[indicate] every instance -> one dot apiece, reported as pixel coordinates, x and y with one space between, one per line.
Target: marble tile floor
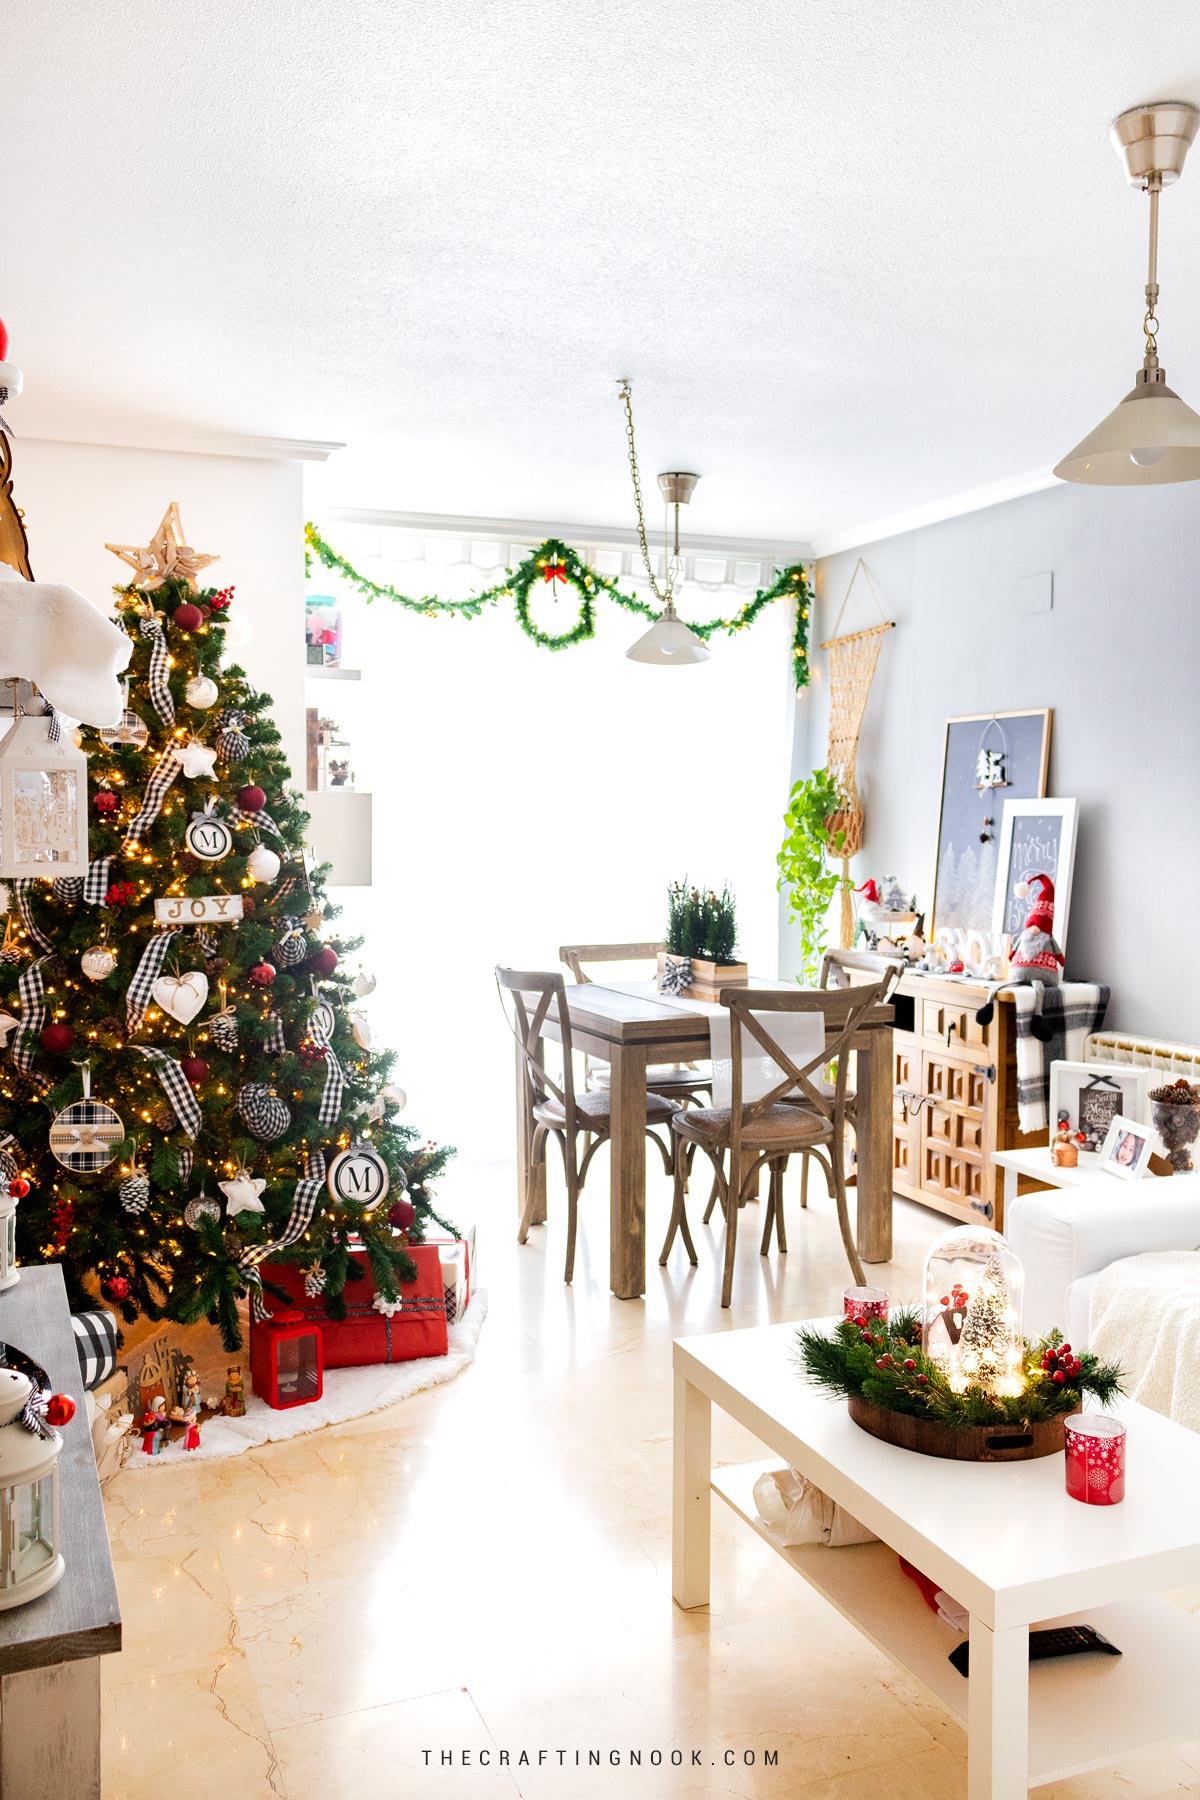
487 1566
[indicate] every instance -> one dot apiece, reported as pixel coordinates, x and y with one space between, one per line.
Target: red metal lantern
286 1361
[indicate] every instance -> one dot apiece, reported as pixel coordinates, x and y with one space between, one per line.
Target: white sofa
1065 1236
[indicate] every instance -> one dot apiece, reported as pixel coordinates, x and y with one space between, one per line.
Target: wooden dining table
626 1026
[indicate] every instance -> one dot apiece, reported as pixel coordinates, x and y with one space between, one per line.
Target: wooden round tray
973 1443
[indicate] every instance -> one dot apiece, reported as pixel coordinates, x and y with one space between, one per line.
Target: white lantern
30 1560
9 1273
974 1285
43 802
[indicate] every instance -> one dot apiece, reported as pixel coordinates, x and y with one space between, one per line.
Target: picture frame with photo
1086 1097
1036 837
1127 1148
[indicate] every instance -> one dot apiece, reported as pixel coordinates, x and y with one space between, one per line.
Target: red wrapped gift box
417 1328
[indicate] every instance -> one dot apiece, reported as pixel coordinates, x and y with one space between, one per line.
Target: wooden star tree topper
166 556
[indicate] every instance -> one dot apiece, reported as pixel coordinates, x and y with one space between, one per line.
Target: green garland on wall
555 565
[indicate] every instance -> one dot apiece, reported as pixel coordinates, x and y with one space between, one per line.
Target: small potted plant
701 939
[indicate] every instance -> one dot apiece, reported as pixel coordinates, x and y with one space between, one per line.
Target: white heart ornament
181 996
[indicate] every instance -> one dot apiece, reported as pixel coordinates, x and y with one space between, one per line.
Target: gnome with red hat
1035 954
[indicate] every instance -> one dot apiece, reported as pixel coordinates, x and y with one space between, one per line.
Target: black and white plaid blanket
1071 1010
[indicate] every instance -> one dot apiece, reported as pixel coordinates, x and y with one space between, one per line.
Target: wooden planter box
974 1443
708 978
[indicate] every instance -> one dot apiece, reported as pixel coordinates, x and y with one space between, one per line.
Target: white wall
249 510
1117 660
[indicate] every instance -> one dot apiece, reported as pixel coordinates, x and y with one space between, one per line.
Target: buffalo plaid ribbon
141 989
164 772
160 692
304 1204
176 1086
1066 1015
23 890
319 1029
54 728
274 1043
91 887
232 743
33 1014
676 976
185 1160
262 821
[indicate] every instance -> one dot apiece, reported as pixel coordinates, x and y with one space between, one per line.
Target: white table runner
799 1035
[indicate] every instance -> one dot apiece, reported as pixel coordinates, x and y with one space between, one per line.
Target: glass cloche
974 1285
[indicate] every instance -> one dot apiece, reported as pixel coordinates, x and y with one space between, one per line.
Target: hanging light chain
626 397
1150 322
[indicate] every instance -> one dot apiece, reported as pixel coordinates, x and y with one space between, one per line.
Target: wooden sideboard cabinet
955 1098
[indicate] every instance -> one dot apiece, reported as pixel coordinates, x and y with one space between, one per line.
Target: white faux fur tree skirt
348 1394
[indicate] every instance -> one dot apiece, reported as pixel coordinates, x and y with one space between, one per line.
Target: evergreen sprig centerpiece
701 940
895 1390
184 1073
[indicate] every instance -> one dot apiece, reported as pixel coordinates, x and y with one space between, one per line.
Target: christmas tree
185 1073
989 1353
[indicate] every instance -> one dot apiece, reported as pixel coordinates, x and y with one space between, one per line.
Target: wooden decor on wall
14 545
852 661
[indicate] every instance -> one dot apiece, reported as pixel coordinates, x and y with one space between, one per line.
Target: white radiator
1169 1060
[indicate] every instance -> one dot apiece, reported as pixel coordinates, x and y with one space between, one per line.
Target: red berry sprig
221 600
121 893
1061 1365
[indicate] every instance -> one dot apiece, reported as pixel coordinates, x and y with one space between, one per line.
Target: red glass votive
1095 1459
862 1304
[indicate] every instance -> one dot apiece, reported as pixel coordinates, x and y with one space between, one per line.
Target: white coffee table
1004 1539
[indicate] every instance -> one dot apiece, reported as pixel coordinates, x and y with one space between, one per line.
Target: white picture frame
1127 1148
1114 1087
1036 837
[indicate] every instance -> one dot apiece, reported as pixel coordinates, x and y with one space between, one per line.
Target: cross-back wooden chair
797 1113
679 1081
532 1000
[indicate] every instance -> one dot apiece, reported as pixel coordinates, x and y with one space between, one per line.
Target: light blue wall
1118 659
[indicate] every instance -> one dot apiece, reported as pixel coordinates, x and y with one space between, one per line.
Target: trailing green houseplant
701 925
804 872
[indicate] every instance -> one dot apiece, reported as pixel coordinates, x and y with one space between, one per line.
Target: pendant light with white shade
1152 437
669 643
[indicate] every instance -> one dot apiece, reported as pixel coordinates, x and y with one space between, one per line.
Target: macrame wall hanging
852 661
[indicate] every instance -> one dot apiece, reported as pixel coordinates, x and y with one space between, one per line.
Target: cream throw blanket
1145 1316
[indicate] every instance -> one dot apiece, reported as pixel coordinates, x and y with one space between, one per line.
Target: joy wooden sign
199 909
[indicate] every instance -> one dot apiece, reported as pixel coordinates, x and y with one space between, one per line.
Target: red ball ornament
18 1187
115 1288
323 961
57 1039
106 801
924 1380
251 799
1059 1377
195 1068
187 617
909 1363
60 1409
402 1214
262 974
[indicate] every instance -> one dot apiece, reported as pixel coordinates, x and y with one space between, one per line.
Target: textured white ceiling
857 255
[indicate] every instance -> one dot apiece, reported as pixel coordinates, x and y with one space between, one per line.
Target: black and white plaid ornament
265 1114
134 1191
233 746
85 1135
291 946
314 1281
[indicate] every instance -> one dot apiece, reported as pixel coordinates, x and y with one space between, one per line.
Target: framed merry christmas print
988 758
1037 837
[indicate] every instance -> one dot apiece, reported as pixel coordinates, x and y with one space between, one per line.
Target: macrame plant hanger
852 661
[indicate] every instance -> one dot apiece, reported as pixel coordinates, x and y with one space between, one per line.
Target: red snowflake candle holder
1095 1459
286 1360
863 1304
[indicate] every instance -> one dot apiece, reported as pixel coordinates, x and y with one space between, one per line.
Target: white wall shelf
316 672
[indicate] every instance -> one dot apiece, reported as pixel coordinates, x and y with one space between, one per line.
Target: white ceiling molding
601 537
954 506
183 442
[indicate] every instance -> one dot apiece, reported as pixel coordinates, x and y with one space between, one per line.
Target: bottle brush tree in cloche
184 1073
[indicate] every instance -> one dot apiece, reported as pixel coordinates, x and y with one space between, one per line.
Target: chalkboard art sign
989 758
1037 837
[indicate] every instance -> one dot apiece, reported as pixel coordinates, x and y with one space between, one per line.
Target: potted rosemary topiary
701 940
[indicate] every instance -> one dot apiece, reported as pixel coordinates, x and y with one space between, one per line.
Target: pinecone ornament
134 1192
163 1119
223 1030
314 1281
216 965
